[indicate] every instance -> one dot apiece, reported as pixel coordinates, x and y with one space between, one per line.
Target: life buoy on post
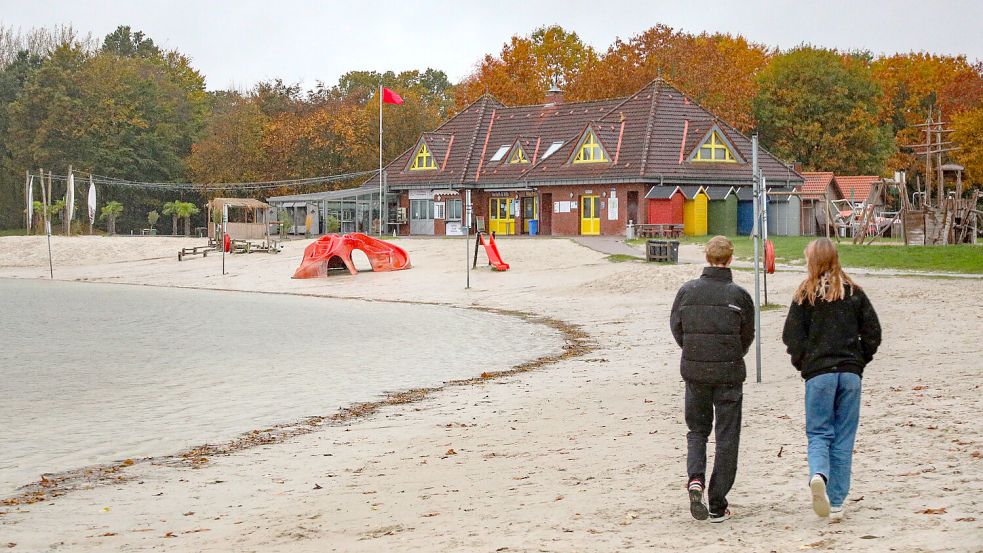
227 243
769 257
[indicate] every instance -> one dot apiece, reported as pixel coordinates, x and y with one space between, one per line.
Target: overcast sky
237 43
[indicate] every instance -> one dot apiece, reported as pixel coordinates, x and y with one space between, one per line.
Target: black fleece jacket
712 319
832 336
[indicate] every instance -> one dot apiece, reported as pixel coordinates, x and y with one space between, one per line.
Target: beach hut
665 205
695 211
248 218
745 211
722 210
784 213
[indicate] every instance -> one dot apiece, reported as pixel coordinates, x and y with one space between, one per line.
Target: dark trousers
703 401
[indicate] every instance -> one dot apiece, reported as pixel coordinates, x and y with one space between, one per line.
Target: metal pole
45 196
381 232
764 229
467 237
225 222
755 179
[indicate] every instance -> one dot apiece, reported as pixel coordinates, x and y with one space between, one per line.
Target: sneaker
836 514
820 501
696 506
720 517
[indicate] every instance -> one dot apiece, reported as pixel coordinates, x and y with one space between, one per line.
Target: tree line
124 107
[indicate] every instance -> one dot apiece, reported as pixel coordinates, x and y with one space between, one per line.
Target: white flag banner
70 199
92 202
30 202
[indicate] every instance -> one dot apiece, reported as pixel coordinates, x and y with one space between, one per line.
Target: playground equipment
491 249
334 251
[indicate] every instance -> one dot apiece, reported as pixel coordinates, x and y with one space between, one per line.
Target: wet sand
586 454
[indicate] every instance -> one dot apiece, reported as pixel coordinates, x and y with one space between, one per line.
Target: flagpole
381 193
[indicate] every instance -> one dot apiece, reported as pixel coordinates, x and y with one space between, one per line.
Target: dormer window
518 156
714 148
590 150
423 160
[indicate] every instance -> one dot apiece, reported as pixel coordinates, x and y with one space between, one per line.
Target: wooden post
938 161
928 160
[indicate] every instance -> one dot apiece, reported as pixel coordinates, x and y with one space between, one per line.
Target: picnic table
658 231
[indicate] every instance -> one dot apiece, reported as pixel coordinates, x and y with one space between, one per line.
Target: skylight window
552 149
501 153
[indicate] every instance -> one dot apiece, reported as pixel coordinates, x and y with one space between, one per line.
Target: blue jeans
832 416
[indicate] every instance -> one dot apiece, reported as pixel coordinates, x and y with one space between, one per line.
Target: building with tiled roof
819 188
569 168
856 188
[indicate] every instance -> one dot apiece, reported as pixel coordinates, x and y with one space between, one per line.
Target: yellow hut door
590 215
501 219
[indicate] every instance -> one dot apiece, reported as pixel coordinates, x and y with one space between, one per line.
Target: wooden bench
197 250
247 246
658 231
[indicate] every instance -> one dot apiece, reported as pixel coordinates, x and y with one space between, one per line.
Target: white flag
70 199
30 202
92 202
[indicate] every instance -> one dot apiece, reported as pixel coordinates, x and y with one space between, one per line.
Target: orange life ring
769 257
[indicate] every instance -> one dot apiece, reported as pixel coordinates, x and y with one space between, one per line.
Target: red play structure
334 251
494 258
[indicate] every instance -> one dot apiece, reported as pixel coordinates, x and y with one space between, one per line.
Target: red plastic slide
334 251
492 250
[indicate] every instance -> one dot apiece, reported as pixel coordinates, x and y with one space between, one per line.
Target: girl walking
832 333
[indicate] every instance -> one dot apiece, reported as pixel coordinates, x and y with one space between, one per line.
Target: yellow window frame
714 149
423 160
591 151
518 156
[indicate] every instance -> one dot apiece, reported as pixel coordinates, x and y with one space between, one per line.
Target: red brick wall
564 224
568 224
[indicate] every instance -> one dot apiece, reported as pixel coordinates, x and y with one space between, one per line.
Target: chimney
554 96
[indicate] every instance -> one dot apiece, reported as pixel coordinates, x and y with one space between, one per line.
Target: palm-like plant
170 208
110 212
185 210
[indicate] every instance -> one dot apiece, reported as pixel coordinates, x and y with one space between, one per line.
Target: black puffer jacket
832 336
712 319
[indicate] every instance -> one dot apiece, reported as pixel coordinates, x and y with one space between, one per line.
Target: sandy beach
583 454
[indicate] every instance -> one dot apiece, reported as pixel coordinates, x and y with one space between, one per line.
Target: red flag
390 97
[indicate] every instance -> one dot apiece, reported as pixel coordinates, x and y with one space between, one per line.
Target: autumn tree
968 126
527 67
820 107
718 71
916 83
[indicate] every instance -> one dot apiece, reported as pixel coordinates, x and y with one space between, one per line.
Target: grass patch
621 258
883 254
13 232
773 307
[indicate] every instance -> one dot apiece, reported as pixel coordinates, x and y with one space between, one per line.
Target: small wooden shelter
784 213
722 211
665 205
695 210
248 218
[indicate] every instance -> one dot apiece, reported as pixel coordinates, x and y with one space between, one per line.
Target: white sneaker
836 514
820 501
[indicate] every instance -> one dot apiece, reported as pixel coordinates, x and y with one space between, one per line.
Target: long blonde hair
826 279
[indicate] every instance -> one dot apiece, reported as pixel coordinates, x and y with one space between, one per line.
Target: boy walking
712 319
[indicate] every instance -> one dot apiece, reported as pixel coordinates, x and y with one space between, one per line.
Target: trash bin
665 251
533 227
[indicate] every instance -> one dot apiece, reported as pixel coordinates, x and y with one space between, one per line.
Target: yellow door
590 215
500 216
